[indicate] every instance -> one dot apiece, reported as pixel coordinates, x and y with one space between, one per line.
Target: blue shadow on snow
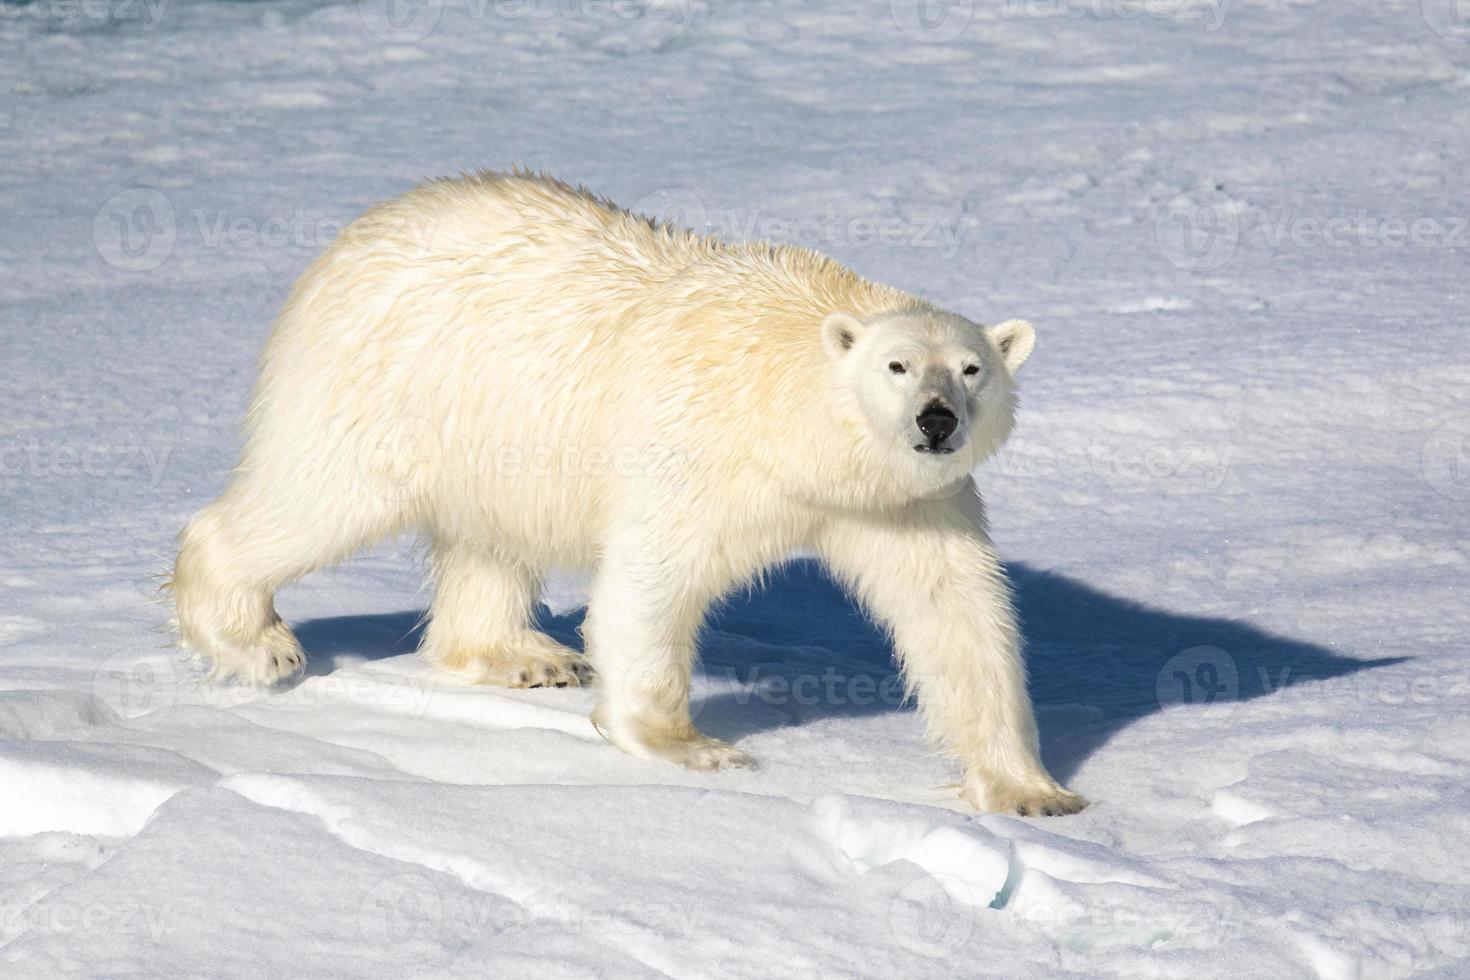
797 650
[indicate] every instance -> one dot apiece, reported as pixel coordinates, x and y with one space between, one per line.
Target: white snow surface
1235 506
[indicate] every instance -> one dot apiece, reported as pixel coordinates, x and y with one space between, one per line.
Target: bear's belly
534 509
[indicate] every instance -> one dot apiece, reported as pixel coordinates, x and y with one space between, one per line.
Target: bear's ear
839 332
1015 340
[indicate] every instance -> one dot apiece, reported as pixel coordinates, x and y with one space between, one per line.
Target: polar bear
532 377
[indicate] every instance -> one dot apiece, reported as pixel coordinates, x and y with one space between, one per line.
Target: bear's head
935 392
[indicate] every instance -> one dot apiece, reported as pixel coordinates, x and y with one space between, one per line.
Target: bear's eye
896 367
972 369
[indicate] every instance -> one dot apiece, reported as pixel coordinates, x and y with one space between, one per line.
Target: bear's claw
1022 799
547 665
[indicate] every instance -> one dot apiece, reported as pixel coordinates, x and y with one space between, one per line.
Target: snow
1235 505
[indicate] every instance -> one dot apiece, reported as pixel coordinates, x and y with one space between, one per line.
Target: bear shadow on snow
797 650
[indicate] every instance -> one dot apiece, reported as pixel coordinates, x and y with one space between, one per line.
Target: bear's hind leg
480 623
238 551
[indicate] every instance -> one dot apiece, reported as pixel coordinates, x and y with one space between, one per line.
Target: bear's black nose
937 423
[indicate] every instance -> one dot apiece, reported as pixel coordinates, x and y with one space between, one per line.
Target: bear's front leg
931 574
648 601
